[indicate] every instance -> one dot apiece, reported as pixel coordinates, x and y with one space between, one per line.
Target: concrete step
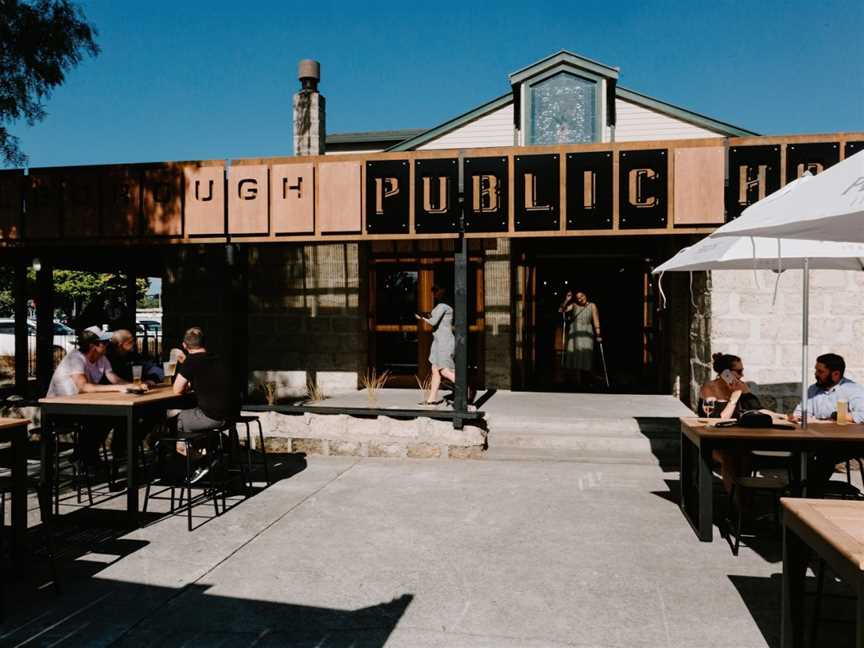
572 456
603 440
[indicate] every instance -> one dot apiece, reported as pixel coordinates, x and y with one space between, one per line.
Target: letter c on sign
247 189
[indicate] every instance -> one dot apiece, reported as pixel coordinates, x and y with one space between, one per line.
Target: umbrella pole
805 340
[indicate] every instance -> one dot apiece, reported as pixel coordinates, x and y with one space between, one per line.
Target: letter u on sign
204 209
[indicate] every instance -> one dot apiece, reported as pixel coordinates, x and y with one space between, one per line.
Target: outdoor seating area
566 365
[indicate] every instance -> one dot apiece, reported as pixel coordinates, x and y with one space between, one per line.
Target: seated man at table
81 372
122 355
831 386
207 374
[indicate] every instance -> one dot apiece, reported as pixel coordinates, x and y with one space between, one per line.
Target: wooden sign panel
643 188
589 190
387 197
247 200
42 218
161 200
292 198
851 148
11 203
339 206
698 194
754 172
686 186
436 195
815 158
538 193
204 204
486 194
81 202
121 201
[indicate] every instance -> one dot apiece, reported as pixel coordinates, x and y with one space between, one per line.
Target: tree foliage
73 290
40 42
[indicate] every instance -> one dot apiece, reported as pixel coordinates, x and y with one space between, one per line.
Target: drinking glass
136 374
708 405
169 368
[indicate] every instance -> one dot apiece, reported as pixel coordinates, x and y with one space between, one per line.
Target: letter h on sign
754 172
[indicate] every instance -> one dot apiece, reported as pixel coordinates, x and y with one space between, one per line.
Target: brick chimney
309 127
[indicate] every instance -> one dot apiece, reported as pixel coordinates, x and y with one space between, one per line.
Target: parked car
64 338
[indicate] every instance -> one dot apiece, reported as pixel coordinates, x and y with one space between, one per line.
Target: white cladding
494 129
637 123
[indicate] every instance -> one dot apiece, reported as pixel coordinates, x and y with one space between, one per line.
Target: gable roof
374 136
562 58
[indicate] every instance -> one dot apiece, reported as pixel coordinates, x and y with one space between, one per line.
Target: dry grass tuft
425 386
372 382
269 392
314 393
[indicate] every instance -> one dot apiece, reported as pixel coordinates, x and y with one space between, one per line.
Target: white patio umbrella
750 253
825 207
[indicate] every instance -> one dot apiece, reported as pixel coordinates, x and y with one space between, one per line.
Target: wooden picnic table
129 407
698 441
834 529
14 431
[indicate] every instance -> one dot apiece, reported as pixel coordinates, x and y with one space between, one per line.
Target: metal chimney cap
309 69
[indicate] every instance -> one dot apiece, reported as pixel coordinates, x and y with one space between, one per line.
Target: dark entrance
400 285
616 275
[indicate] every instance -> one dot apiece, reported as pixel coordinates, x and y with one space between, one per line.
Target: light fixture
37 264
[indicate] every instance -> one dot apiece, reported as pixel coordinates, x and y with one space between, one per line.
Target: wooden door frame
424 263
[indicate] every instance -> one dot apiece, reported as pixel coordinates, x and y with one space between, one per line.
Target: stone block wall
497 297
342 435
306 317
768 336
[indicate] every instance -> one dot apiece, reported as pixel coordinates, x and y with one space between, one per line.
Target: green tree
40 42
73 289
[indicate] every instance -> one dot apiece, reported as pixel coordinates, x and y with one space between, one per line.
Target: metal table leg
131 467
795 556
706 494
19 492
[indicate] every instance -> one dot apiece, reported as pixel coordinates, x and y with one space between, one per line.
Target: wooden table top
840 523
7 423
829 431
158 393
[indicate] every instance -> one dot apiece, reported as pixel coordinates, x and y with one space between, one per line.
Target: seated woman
729 390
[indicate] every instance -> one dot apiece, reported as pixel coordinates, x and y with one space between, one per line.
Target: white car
64 337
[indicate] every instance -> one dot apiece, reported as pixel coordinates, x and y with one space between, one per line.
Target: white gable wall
636 123
494 129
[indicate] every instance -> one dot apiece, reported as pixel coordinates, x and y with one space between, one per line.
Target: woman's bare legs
434 384
449 374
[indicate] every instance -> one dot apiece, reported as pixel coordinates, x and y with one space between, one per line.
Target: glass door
399 289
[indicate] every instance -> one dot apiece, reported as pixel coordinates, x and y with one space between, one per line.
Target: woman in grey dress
443 344
581 329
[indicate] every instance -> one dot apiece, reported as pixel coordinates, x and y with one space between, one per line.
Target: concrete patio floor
367 553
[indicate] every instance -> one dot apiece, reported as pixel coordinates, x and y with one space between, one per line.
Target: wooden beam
22 351
44 326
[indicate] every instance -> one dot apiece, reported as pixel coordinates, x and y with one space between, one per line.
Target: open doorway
616 276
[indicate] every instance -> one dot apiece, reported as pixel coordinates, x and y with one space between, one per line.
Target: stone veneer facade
744 322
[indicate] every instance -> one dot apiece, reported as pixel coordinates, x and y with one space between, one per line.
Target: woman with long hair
443 344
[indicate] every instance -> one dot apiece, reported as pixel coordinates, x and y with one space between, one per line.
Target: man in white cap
80 372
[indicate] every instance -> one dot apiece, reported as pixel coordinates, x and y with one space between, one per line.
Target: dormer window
563 109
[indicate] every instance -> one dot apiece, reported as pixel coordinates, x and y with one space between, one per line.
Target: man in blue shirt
822 398
831 387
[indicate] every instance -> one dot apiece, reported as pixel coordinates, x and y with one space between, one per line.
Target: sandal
437 402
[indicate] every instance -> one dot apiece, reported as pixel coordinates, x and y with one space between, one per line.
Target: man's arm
856 404
114 379
85 387
180 384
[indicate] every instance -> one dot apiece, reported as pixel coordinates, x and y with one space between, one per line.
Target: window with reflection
563 110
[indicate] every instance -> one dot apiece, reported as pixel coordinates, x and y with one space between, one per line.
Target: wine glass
708 405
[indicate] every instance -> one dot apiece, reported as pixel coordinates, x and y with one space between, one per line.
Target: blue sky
200 80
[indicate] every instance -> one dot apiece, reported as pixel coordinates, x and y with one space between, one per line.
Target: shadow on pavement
763 596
